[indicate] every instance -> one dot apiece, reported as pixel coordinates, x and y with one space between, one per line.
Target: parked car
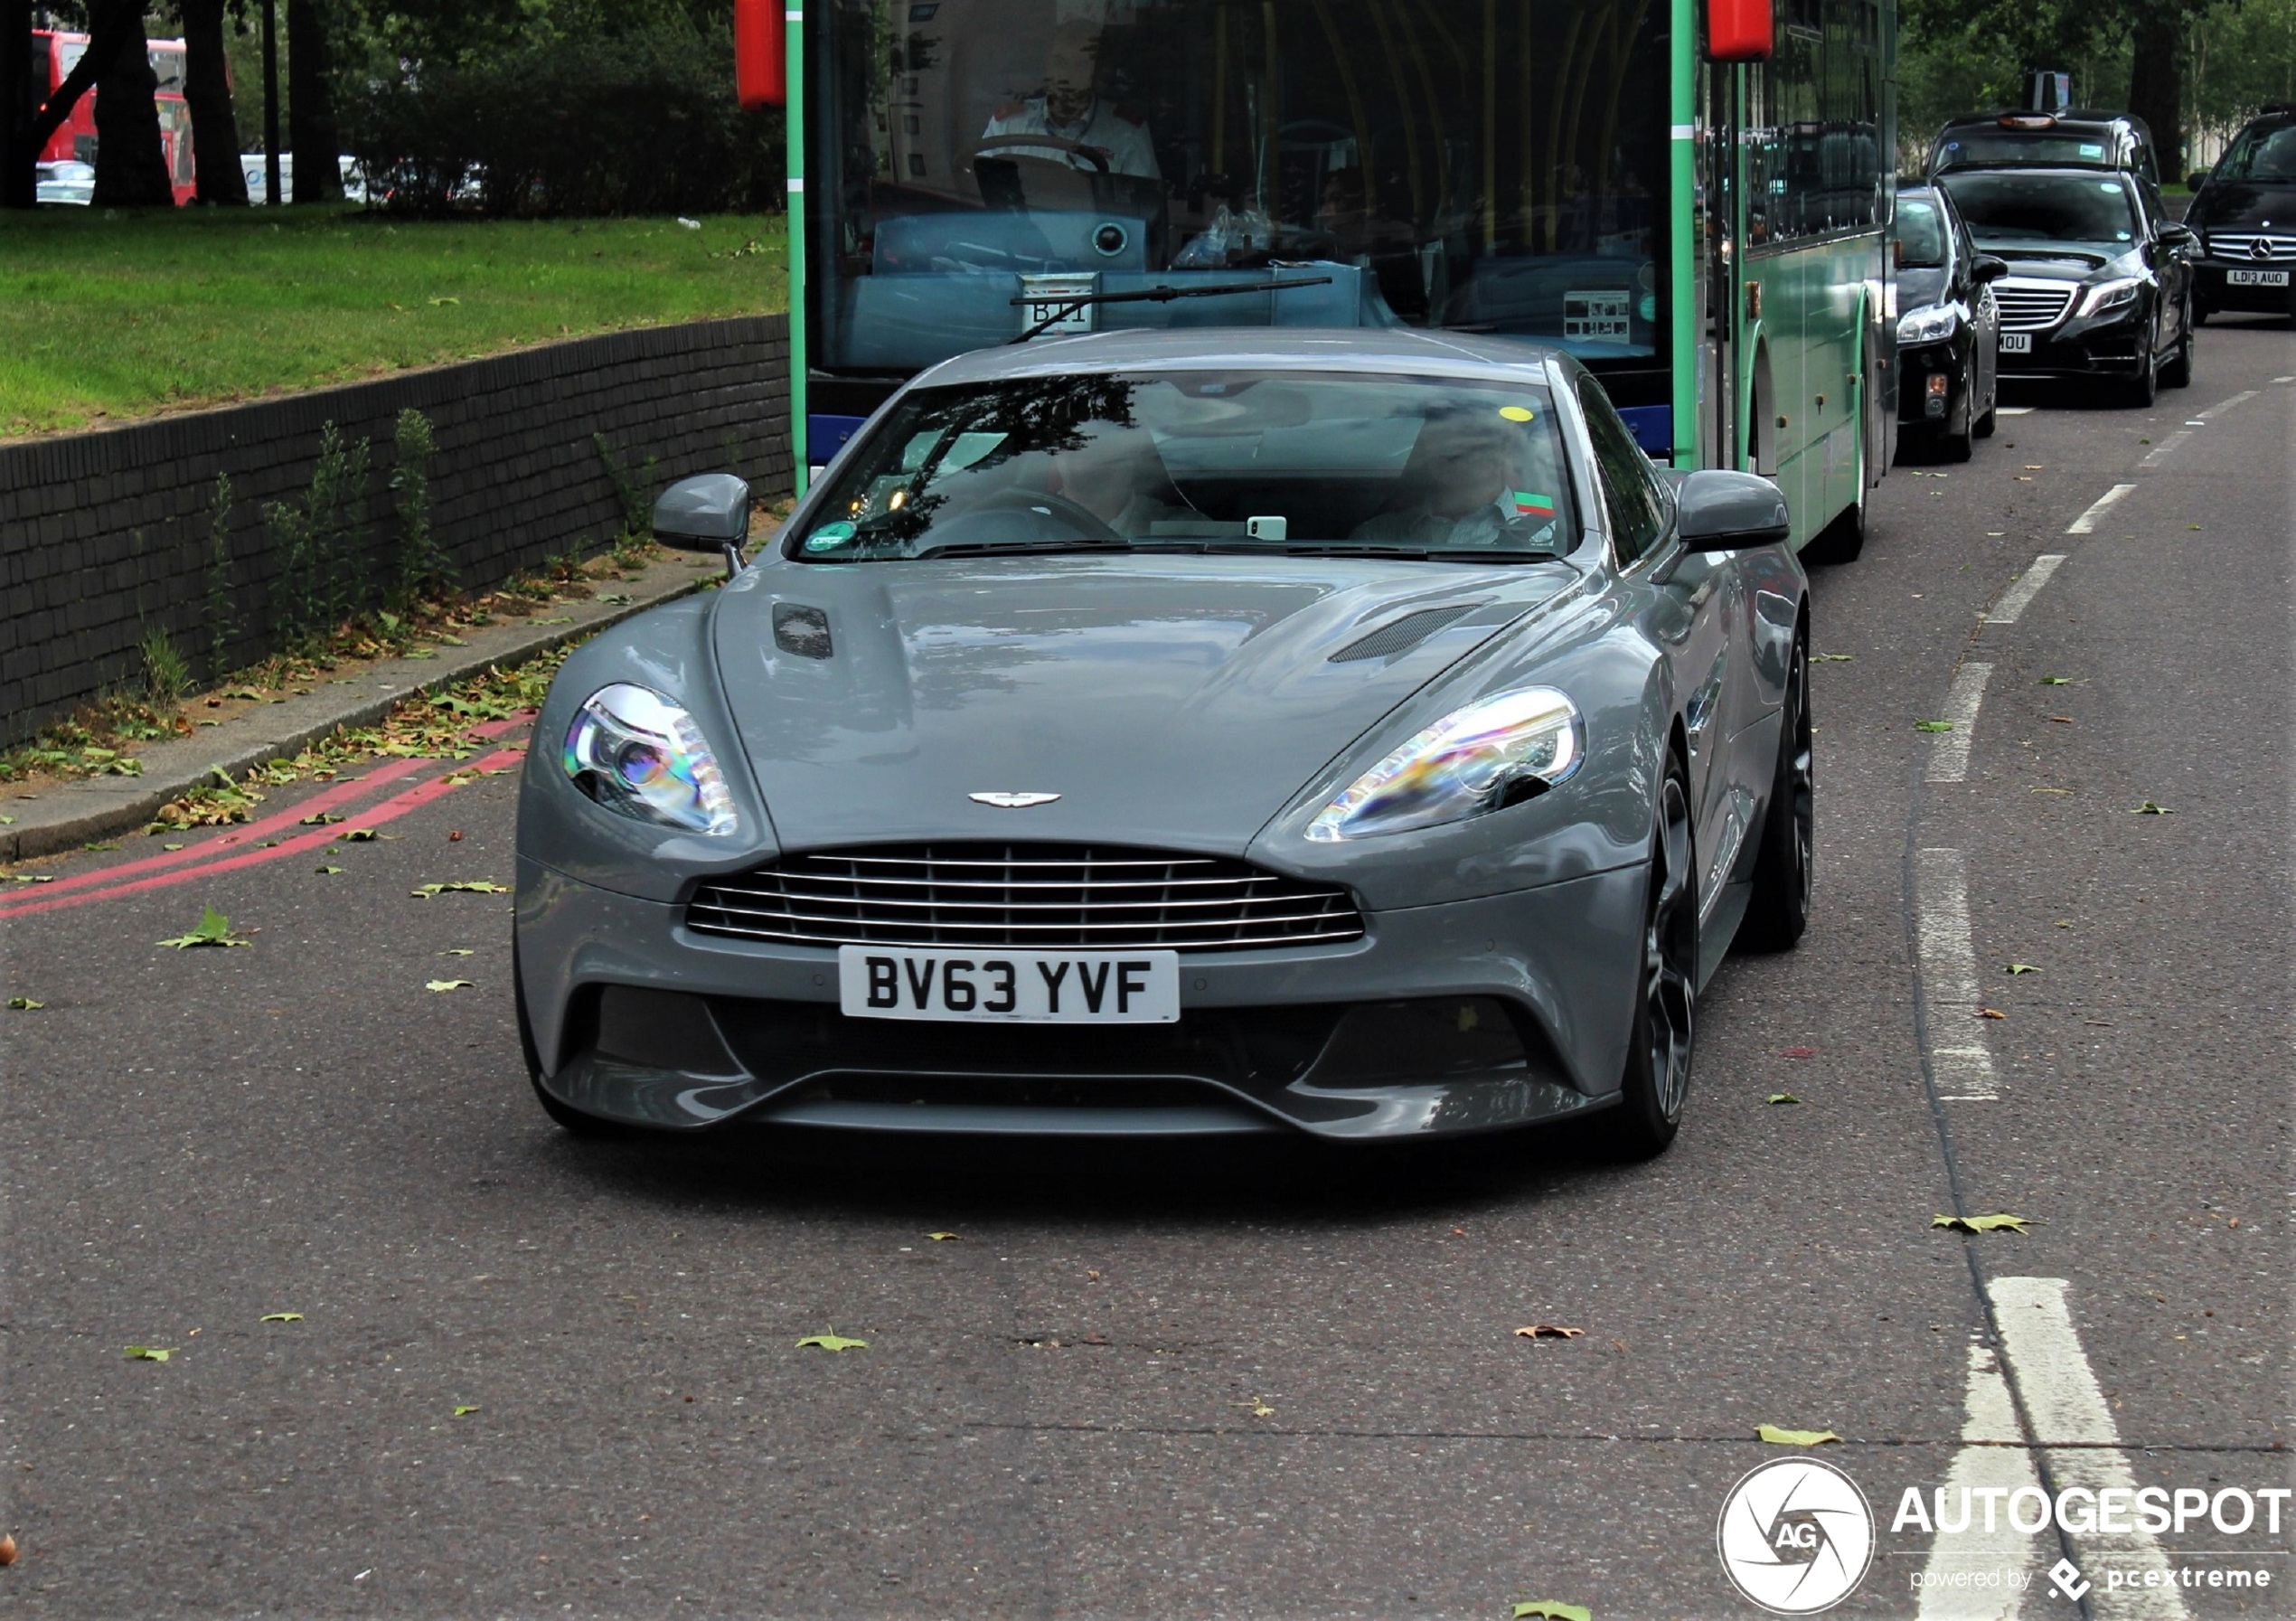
2100 278
2244 212
1180 732
1949 330
2068 140
66 182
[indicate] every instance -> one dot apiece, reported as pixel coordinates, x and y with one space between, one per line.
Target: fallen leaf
1794 1437
1932 726
170 846
435 304
451 984
833 1340
1783 1098
7 1549
1798 1052
2067 792
2149 809
2062 719
477 885
324 819
1547 1331
25 1005
323 872
1980 1223
940 1238
455 836
1995 534
1833 658
150 1354
214 930
2023 968
280 1318
458 951
357 836
1550 1610
33 877
466 1410
1988 1013
2036 466
1259 1409
2057 681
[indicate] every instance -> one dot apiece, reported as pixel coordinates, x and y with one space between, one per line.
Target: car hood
1171 701
2240 203
1920 287
2067 261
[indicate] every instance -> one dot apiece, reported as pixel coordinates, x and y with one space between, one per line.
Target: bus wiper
1163 295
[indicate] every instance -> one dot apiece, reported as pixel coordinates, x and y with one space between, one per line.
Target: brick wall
104 537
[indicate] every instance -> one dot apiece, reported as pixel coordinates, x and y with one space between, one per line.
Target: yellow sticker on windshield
1517 413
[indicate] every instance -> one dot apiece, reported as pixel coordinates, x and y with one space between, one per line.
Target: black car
2100 278
1948 326
2244 212
2073 140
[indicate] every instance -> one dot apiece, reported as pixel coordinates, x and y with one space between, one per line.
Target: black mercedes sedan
2100 278
2244 212
1948 328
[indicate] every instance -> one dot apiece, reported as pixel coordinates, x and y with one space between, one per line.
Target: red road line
388 810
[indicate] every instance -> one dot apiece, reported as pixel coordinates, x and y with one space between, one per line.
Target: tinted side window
1638 505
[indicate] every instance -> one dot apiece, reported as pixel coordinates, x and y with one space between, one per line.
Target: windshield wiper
996 548
1385 553
1160 295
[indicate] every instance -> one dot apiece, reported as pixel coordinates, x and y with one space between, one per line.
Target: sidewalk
69 815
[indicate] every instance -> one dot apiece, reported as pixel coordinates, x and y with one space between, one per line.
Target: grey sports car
1180 732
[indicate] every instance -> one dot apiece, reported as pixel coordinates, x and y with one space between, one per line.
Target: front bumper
1465 1017
1922 404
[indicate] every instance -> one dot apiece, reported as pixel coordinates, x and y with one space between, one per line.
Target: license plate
2256 279
2017 343
1047 296
1010 988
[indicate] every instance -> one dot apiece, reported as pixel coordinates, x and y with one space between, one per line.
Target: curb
71 813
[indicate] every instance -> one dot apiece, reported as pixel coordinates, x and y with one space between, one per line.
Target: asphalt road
534 1375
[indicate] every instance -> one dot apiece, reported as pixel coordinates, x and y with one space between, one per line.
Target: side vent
801 630
1400 635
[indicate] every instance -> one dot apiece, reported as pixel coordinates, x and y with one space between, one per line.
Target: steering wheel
1016 146
1082 519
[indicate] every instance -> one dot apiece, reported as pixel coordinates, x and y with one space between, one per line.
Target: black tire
1657 1077
2177 372
1982 429
1785 866
2144 388
1843 540
567 1118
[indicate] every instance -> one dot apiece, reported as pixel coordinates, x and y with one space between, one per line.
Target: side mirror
1987 267
1717 510
2176 236
2196 180
707 512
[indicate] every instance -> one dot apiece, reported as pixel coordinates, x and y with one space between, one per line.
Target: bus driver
1069 109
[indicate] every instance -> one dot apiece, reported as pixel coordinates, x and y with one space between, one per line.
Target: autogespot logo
1796 1536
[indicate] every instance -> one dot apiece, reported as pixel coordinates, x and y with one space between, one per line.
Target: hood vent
801 630
1400 635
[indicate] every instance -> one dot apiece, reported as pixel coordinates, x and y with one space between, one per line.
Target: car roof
1400 350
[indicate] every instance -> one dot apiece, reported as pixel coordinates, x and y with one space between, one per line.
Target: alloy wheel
1670 953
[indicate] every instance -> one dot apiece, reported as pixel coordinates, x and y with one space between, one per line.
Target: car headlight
1492 753
2111 294
1927 325
635 753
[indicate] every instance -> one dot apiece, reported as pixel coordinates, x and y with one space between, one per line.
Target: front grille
2027 305
1045 897
2241 247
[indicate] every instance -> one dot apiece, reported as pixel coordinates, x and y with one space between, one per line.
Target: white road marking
1949 751
1995 1459
2023 410
2160 452
2073 1428
1963 1071
2223 406
2020 595
2284 379
2088 520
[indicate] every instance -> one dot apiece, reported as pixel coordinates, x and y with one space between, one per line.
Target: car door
1984 323
2172 266
1689 616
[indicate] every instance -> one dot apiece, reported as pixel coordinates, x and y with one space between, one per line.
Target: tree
207 89
131 161
310 97
19 182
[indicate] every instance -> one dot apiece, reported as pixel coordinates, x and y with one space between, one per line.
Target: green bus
1710 236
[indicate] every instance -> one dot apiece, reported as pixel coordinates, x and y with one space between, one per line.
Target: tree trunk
2156 83
310 97
110 27
131 161
215 129
19 179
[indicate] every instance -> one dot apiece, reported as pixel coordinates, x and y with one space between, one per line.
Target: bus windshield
1446 164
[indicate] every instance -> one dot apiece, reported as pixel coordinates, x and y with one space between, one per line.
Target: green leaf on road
324 819
466 1409
2149 809
1550 1610
451 984
1980 1223
280 1318
33 877
940 1238
1783 1098
833 1340
2023 968
458 951
2057 681
357 836
150 1354
1794 1437
25 1005
477 886
323 872
214 930
1932 726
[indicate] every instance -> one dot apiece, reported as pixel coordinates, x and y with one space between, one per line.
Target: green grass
105 316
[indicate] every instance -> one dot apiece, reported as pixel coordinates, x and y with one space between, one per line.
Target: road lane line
2223 406
2027 585
1993 1457
1949 751
2073 1428
1962 1071
318 838
2087 521
2162 452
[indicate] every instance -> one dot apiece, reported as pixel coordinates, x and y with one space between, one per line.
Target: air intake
1399 635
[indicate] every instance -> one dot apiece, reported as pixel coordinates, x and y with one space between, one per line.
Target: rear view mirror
2196 180
1985 267
1717 510
2175 236
704 513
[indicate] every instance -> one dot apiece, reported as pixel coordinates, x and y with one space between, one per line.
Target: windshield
1203 461
2262 155
2016 211
1978 147
1448 163
1921 235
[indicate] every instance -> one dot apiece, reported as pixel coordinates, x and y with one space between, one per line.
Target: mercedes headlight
1927 325
1492 753
635 753
2111 294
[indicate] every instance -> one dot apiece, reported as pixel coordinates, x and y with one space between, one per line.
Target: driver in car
1070 109
1474 480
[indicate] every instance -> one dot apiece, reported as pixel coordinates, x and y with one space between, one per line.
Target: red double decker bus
55 54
